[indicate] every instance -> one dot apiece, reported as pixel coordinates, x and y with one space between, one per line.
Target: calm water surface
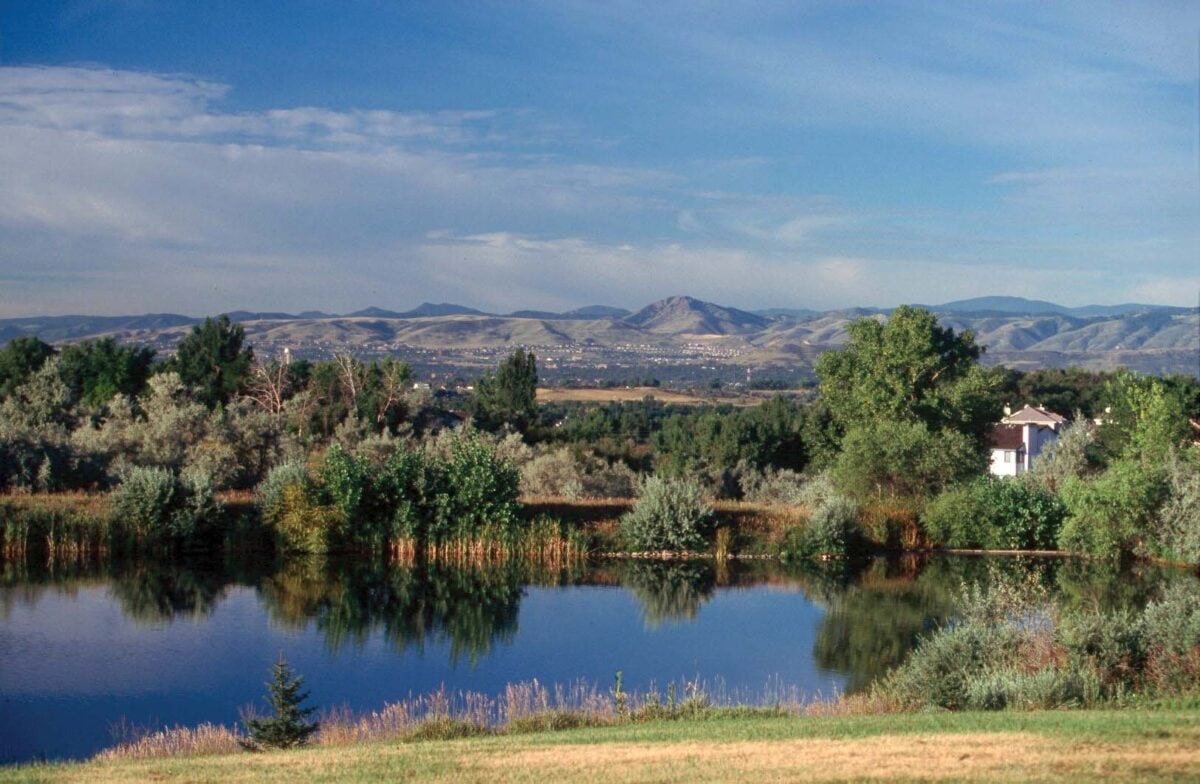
152 644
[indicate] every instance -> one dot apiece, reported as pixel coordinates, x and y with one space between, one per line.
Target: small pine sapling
289 726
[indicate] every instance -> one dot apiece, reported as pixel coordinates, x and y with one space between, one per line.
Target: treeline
891 450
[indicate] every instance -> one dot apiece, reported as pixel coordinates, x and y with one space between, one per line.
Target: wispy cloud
817 154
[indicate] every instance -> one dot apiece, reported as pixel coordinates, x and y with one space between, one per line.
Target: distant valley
675 339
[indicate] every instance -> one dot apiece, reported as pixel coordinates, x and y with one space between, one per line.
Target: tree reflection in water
157 592
471 608
874 612
669 590
875 621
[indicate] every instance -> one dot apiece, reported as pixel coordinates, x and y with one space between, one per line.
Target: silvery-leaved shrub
159 506
269 493
1176 536
670 514
555 473
832 527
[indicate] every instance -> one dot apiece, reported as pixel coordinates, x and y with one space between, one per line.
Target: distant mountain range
1035 307
1018 332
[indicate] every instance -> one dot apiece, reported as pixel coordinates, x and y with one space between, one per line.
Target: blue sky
200 157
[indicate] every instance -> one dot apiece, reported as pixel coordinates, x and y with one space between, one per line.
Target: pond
86 650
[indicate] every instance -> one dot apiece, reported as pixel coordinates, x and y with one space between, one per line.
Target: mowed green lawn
1117 745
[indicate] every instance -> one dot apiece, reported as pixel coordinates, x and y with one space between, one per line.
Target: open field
1052 746
625 394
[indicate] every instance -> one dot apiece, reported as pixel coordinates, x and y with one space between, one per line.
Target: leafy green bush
670 514
427 497
1114 513
991 513
346 481
895 459
480 492
402 492
159 506
951 519
303 525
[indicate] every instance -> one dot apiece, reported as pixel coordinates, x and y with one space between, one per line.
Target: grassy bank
1118 745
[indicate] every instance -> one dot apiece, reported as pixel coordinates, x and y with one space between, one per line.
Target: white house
1021 437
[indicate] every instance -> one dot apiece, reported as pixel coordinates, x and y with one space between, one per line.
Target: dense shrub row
992 513
411 495
891 453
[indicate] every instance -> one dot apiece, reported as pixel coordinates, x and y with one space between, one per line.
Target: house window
1007 456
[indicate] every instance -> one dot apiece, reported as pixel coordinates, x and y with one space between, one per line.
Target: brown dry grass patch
624 394
73 502
970 756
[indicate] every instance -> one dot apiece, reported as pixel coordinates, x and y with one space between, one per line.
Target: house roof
1006 437
1030 415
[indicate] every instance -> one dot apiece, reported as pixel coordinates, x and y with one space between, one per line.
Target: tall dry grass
174 742
72 526
522 707
543 542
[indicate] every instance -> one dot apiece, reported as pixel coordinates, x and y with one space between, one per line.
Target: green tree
508 396
212 360
19 360
1057 389
288 726
896 459
1146 418
381 403
95 370
1114 513
910 370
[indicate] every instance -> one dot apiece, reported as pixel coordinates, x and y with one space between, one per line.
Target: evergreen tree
509 396
212 361
19 360
289 726
95 370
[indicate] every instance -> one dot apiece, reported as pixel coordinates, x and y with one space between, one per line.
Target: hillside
676 330
688 316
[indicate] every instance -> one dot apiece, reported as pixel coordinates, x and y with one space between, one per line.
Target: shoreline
755 528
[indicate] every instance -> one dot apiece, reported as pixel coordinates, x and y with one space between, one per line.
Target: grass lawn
1116 745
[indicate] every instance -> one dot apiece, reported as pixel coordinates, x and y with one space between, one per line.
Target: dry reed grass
174 742
522 707
72 526
72 502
